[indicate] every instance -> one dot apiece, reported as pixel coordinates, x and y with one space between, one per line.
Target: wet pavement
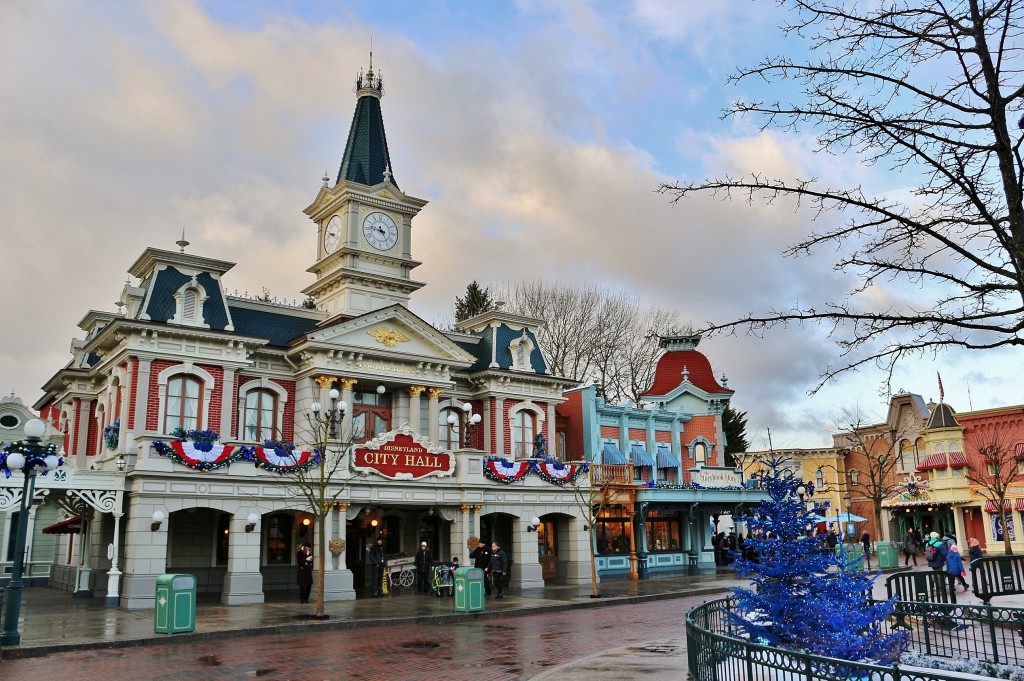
557 633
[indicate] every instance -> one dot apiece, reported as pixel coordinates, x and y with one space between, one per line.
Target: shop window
524 429
279 539
223 536
663 532
260 416
182 409
612 536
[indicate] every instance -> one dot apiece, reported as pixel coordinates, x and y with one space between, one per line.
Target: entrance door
356 554
547 549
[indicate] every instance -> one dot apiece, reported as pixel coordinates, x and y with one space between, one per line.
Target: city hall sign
403 455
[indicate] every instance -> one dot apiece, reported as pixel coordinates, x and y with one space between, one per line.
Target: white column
113 596
526 570
337 580
414 407
243 582
433 412
145 553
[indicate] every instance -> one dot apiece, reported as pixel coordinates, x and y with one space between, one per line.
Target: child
955 566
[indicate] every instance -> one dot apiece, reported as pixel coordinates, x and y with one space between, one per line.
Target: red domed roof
669 374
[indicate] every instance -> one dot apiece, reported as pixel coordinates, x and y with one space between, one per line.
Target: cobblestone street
511 648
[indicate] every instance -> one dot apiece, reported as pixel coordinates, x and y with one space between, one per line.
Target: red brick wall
572 411
91 447
211 413
610 432
134 370
663 436
638 435
288 423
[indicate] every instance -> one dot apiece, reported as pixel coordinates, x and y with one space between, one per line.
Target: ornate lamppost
30 456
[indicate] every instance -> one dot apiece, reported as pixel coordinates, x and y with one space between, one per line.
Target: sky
538 131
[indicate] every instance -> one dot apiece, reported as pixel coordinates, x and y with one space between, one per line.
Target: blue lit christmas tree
803 596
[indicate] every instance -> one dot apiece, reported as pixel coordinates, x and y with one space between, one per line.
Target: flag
942 393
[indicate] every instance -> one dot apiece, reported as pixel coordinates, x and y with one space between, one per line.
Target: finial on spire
369 84
325 179
182 242
686 373
387 173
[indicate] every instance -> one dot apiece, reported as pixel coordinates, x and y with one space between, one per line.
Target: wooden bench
997 576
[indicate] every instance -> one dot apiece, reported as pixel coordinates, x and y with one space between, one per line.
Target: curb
21 652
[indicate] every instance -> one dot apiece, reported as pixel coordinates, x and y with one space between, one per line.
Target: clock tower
364 222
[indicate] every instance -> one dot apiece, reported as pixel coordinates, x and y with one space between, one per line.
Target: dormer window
521 349
188 309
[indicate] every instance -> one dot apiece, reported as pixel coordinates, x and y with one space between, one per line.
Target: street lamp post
28 456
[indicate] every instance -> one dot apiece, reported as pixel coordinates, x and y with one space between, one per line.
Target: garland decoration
280 457
31 456
503 470
198 450
112 433
558 473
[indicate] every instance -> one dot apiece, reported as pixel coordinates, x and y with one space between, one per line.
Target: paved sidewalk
52 621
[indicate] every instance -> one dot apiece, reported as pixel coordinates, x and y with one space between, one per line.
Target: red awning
69 526
933 461
1020 450
1018 505
957 459
991 508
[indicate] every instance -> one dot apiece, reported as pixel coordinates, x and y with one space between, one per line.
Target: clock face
332 234
380 231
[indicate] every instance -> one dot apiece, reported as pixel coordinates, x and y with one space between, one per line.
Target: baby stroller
442 582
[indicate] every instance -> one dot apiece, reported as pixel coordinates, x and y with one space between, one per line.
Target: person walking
377 561
935 552
865 541
911 545
974 552
955 566
481 557
497 568
304 578
424 562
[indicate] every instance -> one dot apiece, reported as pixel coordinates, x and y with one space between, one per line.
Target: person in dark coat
911 544
955 566
974 553
497 568
423 562
938 561
481 557
304 578
377 561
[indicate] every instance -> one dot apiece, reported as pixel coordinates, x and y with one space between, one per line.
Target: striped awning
943 460
1019 449
610 454
640 456
1018 505
68 526
991 508
666 459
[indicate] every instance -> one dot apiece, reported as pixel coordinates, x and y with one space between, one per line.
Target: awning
1020 450
68 526
1018 505
665 458
991 508
640 456
957 459
942 460
847 517
610 454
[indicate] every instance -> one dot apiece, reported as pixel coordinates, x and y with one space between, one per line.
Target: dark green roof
168 281
366 152
280 329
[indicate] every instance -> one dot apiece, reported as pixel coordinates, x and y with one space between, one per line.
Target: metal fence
717 653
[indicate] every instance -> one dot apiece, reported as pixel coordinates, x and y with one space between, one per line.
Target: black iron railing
717 652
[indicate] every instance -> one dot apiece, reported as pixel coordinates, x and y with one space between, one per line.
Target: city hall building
427 409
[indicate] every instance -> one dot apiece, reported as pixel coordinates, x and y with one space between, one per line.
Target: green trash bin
175 611
887 555
854 555
469 589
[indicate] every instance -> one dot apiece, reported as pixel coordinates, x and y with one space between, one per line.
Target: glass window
700 453
279 539
183 403
523 431
662 532
638 473
371 415
546 539
450 435
612 536
662 474
260 416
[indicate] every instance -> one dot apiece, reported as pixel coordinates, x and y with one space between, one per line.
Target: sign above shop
403 455
710 476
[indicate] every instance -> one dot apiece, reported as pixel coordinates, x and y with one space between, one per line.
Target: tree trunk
321 562
1006 528
593 564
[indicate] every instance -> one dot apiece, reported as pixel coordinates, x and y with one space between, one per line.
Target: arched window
189 304
524 429
448 434
261 415
700 453
819 479
183 403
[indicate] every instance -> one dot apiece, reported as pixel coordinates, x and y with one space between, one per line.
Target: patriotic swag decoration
281 457
503 470
549 470
199 456
558 473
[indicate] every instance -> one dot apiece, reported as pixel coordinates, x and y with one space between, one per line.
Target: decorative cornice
415 390
324 382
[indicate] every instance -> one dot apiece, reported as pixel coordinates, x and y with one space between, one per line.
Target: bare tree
595 334
591 495
993 466
873 451
931 91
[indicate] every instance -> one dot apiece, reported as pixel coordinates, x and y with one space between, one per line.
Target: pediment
392 331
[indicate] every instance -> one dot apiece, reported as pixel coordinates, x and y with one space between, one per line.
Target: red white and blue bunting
549 470
281 459
199 456
558 473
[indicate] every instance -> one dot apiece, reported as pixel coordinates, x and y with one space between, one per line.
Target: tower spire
366 159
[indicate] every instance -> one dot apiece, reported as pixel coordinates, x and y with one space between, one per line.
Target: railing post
992 634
